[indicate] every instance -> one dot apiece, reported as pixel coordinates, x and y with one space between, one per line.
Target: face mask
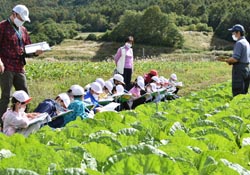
18 23
95 97
128 45
234 38
21 109
149 89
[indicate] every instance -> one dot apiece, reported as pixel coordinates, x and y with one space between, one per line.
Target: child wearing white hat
93 95
174 84
16 120
54 107
77 105
138 86
107 90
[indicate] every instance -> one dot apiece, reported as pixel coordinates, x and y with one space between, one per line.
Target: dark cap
237 28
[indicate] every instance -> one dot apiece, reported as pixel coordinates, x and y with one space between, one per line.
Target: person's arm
1 66
231 60
118 55
1 38
27 41
132 60
20 122
235 57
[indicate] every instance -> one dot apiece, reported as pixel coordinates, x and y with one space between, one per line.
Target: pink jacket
129 58
136 92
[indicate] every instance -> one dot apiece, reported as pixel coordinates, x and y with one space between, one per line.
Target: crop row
206 132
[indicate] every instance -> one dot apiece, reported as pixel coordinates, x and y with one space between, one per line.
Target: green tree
150 27
129 25
52 32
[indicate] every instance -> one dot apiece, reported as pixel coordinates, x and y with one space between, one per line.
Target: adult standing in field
124 60
13 38
240 61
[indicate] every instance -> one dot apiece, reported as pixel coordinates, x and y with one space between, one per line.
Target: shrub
92 37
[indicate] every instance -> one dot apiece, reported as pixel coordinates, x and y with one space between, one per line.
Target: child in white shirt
15 120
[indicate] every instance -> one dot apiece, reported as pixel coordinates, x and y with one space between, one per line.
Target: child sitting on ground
77 105
53 108
15 120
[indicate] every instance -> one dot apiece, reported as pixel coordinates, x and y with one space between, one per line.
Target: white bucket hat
23 11
156 79
96 87
141 84
100 81
140 78
22 96
173 77
109 86
119 78
65 98
77 90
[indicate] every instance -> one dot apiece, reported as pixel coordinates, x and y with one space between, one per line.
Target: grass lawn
48 78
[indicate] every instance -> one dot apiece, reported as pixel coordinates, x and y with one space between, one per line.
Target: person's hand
38 52
1 66
221 58
32 115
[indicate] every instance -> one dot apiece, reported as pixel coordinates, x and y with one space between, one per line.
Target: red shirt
10 49
147 78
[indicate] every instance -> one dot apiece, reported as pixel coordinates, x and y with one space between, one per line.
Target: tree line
152 21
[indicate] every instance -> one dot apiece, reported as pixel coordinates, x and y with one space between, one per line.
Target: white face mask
234 38
149 89
128 45
21 109
96 97
18 22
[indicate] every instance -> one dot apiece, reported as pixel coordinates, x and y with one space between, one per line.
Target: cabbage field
206 132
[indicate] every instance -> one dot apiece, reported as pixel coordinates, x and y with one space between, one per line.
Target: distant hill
103 15
197 46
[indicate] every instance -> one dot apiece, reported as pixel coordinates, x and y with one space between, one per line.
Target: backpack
49 106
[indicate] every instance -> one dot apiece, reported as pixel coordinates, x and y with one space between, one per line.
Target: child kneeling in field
15 120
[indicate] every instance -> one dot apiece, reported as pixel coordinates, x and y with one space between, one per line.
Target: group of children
85 102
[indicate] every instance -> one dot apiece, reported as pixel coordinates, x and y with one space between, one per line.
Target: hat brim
25 18
27 101
120 82
99 92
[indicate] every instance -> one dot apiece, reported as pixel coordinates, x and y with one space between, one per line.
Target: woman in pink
124 59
